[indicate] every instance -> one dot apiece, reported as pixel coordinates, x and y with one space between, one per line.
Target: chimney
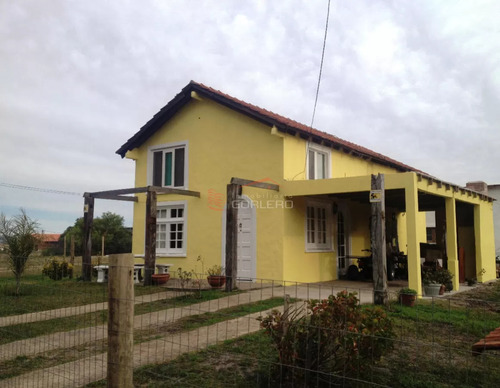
479 186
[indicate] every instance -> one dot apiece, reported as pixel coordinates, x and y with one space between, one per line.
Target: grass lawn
39 293
24 364
31 330
432 349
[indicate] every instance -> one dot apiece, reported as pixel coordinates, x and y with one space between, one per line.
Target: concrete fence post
120 321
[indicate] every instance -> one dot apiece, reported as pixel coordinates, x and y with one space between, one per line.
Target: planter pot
442 289
408 299
216 281
160 278
432 289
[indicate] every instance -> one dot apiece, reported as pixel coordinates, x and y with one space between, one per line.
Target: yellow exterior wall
294 158
299 265
343 165
221 144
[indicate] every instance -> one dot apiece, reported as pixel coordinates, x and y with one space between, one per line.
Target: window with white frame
169 165
171 230
318 226
318 162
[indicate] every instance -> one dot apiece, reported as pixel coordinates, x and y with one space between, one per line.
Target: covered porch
464 221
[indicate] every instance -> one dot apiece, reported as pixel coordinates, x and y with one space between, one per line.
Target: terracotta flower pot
408 299
216 281
160 278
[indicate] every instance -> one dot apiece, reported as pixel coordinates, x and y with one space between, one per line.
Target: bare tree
20 235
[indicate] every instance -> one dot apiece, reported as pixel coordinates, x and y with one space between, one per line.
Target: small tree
19 232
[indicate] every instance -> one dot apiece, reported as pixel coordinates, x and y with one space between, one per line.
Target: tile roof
282 123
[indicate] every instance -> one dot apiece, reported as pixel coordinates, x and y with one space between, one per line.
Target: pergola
124 195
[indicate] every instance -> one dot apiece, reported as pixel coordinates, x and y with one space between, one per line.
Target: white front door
245 241
246 244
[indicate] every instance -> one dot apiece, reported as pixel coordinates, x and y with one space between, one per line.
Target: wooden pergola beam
135 190
257 184
117 198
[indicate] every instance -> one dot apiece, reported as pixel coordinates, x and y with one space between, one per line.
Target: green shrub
56 269
407 291
335 336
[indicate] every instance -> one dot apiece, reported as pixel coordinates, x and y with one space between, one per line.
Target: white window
318 162
318 226
171 230
167 165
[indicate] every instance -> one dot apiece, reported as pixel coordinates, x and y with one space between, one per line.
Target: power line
321 64
39 189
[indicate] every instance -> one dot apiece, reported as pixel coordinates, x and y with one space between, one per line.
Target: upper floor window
168 165
318 162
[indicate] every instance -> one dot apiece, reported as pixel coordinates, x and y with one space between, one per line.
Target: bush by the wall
56 269
334 337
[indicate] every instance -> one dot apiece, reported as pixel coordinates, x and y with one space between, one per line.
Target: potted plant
407 296
430 281
444 277
216 277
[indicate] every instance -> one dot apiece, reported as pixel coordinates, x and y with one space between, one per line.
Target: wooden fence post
88 220
377 199
72 249
150 248
120 321
64 249
233 190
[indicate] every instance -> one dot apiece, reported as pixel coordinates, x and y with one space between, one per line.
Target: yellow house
311 228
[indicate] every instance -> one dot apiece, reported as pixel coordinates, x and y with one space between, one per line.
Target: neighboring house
307 231
47 241
494 192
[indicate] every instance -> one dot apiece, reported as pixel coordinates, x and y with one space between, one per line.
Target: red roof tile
283 124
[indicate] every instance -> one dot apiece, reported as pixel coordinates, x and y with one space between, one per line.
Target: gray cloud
417 81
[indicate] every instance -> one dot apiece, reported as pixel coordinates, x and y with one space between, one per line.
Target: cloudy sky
418 81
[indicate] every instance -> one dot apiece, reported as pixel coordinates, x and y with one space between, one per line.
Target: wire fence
187 334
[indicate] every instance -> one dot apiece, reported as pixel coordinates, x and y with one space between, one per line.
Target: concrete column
411 200
120 321
451 240
485 242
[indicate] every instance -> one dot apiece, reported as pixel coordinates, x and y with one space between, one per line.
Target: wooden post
88 220
233 190
377 199
72 249
150 248
102 246
120 321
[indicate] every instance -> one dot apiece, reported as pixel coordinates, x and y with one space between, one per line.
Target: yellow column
411 200
451 240
485 242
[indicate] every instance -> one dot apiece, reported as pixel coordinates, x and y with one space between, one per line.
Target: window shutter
157 168
179 167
